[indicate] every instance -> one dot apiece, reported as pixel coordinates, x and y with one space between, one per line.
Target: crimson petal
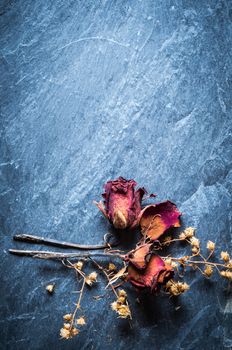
156 274
157 218
122 203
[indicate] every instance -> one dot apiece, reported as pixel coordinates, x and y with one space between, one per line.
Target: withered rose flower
157 218
152 274
140 256
122 203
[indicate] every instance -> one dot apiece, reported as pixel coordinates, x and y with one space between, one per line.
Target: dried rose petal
122 203
157 218
153 276
140 256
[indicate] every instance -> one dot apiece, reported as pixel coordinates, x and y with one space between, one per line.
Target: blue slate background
91 90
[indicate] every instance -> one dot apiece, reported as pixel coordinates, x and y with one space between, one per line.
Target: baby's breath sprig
186 235
136 269
176 288
69 328
121 306
196 259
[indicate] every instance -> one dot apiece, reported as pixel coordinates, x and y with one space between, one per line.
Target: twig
210 254
173 240
198 262
55 243
202 272
40 254
78 303
74 267
105 273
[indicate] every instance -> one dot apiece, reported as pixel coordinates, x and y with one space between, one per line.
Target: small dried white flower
208 271
176 288
50 288
67 317
79 265
226 274
187 233
91 278
81 321
225 256
210 246
112 267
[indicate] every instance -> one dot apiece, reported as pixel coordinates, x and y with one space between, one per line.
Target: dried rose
122 203
157 218
140 256
156 274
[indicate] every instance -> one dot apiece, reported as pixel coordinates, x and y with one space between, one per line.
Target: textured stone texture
91 90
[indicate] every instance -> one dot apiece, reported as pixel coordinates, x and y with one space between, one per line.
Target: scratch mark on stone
21 79
93 38
147 39
228 307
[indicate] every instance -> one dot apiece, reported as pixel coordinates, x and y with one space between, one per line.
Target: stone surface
91 90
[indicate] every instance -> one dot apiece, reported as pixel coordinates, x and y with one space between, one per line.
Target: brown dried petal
140 256
157 218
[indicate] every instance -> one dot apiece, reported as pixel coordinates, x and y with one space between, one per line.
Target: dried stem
40 254
55 243
72 266
173 240
180 260
78 304
106 274
210 254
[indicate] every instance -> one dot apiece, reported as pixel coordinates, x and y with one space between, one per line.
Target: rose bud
155 274
122 203
156 219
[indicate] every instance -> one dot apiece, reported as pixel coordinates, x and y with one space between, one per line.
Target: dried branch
55 243
40 254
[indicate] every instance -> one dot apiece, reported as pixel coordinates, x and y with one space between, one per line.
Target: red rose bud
157 218
122 203
156 274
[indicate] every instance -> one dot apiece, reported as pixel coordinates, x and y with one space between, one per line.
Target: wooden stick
55 243
40 254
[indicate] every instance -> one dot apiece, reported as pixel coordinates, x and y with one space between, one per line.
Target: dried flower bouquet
143 267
